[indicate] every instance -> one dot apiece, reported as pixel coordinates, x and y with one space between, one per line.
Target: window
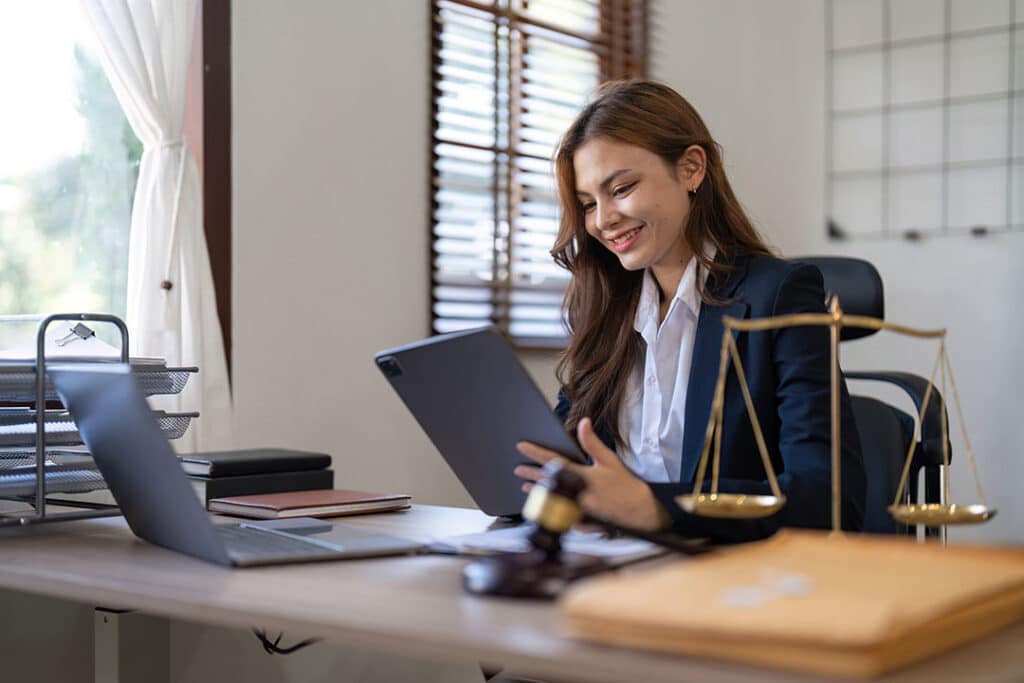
69 164
68 167
508 78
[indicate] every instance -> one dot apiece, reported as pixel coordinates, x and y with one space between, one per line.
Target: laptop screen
135 458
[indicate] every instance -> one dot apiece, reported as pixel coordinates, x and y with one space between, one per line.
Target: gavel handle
686 546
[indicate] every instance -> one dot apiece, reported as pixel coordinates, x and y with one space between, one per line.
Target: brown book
319 503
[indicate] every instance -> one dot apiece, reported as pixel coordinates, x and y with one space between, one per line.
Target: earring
692 192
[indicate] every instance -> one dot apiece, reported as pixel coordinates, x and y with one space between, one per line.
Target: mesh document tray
59 479
18 427
18 379
66 471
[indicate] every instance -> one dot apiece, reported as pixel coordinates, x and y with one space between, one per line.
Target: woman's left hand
613 493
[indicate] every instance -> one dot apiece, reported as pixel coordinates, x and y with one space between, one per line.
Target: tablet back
474 400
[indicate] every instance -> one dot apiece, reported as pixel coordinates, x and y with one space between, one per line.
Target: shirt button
651 381
649 443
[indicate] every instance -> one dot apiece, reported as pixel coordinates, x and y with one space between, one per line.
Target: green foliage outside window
64 226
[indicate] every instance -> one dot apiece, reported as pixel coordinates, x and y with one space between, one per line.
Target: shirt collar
686 292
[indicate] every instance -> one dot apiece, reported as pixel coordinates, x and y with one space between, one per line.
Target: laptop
474 400
156 499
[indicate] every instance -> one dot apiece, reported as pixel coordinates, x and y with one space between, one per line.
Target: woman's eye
588 207
622 190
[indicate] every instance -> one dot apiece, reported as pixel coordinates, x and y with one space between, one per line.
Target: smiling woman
659 250
638 158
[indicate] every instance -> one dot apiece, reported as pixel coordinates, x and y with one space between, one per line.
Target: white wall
755 71
331 224
331 125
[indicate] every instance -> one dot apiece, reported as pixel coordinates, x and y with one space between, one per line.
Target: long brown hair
602 297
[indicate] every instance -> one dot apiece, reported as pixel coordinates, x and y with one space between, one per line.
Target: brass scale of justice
744 506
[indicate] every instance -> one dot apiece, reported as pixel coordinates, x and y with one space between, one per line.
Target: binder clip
79 331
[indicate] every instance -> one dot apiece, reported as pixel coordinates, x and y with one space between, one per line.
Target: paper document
63 345
51 427
22 482
514 540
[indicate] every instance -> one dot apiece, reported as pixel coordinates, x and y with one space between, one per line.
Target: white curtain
144 48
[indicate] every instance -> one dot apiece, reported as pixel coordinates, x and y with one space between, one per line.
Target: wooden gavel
542 571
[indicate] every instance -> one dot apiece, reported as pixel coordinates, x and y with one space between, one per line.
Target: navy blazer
787 371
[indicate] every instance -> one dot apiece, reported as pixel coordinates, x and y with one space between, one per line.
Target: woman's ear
692 166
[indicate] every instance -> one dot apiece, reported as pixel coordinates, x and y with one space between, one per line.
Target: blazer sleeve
801 361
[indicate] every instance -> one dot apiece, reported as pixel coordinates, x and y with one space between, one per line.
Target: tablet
474 400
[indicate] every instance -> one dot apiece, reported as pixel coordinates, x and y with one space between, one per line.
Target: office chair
885 431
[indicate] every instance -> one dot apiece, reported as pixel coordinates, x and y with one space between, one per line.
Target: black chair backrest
858 285
885 431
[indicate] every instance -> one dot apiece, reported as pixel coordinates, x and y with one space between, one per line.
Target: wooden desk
413 606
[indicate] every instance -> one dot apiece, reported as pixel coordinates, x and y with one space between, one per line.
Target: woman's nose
606 216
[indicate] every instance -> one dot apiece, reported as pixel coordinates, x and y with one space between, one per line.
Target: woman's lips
626 241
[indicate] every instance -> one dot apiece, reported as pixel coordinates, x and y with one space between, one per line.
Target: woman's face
634 203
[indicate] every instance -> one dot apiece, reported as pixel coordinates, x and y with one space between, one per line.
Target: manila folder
806 600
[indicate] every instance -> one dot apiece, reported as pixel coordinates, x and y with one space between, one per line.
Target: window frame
208 131
215 160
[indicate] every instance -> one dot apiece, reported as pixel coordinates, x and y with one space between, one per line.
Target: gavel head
553 506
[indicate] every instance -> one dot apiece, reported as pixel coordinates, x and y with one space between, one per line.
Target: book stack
256 471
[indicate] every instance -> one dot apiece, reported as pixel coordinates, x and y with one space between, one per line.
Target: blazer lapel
707 349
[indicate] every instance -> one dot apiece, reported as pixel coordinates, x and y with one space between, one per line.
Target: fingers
536 453
528 472
540 456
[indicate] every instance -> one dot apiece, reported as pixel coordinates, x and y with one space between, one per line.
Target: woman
660 249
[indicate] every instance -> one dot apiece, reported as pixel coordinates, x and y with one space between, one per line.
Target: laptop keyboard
246 542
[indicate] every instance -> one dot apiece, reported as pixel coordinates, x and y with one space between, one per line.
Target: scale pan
730 505
933 514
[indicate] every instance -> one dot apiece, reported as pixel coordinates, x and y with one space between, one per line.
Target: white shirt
652 414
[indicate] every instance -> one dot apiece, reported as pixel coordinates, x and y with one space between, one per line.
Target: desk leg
130 646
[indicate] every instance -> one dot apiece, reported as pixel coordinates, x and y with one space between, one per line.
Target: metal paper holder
86 509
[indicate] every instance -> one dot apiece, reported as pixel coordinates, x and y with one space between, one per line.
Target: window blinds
508 78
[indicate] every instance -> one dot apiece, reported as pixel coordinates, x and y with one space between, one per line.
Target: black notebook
253 484
252 461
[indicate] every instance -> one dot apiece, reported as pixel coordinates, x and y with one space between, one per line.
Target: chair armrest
931 426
